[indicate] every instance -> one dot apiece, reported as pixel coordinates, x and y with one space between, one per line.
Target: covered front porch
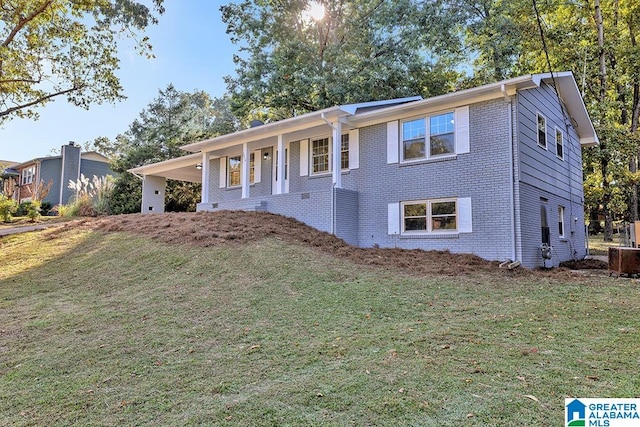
241 171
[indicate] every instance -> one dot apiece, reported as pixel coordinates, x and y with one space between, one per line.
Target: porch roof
182 168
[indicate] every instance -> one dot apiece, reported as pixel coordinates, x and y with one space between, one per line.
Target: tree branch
37 101
24 21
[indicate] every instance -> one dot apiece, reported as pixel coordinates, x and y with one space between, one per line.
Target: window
28 175
235 170
544 223
321 151
320 155
344 152
561 221
441 132
542 131
559 144
429 216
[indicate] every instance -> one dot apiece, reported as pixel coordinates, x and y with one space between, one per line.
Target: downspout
136 175
333 185
512 206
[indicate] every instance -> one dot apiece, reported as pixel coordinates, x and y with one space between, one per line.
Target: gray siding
346 219
50 170
543 175
89 168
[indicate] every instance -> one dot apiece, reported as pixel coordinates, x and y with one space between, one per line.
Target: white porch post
153 189
280 186
337 154
206 172
245 177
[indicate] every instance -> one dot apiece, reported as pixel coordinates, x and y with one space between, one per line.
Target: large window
28 174
542 131
235 170
429 216
559 144
439 130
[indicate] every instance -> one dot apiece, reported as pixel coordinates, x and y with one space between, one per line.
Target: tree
289 64
171 120
55 48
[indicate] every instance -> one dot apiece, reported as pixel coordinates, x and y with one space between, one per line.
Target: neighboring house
8 177
68 166
495 170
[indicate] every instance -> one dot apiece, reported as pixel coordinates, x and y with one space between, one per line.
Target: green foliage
34 210
359 51
7 208
171 120
54 48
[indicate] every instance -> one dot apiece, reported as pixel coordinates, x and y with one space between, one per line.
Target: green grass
110 329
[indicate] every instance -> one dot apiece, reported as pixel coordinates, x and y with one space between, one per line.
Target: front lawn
111 329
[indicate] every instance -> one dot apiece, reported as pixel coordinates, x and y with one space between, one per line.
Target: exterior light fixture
199 166
266 156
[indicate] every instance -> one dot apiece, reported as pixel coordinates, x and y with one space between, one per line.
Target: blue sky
192 51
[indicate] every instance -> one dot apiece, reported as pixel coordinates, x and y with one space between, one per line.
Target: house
68 166
494 170
8 177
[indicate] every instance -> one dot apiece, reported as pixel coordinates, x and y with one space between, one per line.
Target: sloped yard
153 320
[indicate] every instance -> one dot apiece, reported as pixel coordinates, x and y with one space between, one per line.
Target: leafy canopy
360 50
54 48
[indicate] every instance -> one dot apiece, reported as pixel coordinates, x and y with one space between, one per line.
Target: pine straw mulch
206 229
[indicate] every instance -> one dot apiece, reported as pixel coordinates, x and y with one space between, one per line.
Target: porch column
244 170
206 172
337 154
153 188
280 187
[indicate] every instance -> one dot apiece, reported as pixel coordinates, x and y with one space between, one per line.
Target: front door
274 188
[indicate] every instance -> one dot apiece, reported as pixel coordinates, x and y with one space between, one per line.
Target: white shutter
354 149
257 166
461 120
223 172
394 218
393 141
304 157
464 215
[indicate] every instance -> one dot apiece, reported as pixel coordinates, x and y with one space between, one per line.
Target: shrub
7 207
92 197
34 210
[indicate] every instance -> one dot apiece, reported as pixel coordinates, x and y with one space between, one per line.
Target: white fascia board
168 165
441 102
572 99
281 127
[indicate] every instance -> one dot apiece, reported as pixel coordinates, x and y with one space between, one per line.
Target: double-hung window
561 221
559 144
429 216
234 167
28 175
542 130
321 154
428 137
